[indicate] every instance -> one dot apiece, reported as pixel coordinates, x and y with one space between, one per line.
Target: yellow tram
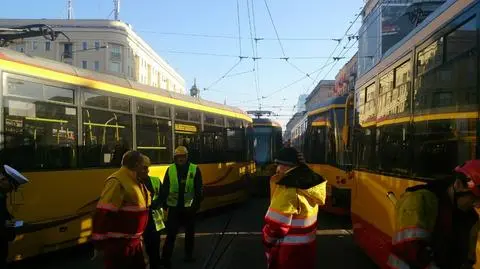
417 115
66 129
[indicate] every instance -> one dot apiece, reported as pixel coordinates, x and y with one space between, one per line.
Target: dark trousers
3 254
179 217
152 244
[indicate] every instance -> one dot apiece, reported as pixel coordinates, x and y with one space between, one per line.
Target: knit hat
289 156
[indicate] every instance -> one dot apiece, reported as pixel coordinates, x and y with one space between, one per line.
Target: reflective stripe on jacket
290 226
122 211
415 219
430 231
189 193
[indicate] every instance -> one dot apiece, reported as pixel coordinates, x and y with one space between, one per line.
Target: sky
200 40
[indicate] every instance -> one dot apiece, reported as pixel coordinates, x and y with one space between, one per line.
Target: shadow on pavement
240 246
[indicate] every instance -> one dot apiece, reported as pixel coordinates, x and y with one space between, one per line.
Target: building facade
301 102
105 46
291 124
322 92
346 78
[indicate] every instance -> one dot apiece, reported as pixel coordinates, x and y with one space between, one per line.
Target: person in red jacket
121 215
435 222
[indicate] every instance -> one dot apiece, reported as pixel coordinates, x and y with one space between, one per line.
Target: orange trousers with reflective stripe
124 254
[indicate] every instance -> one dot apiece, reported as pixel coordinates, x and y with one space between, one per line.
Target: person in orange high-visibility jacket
436 224
289 233
122 214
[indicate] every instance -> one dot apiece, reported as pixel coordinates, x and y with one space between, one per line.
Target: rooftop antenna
116 9
70 10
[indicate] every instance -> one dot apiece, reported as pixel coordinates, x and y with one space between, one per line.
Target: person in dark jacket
155 223
182 195
10 180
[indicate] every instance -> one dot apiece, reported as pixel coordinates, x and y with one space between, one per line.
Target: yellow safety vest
157 214
172 199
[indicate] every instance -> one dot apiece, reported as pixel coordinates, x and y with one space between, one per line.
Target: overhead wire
274 28
240 57
254 52
338 44
285 86
236 37
244 57
280 42
326 64
257 68
239 29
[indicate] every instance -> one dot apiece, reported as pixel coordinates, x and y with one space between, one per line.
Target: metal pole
70 10
116 9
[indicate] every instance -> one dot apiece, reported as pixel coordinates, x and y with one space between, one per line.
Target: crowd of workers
436 223
130 213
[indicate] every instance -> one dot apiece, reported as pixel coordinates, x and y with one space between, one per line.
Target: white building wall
127 54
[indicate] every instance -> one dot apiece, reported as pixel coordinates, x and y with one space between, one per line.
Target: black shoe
189 259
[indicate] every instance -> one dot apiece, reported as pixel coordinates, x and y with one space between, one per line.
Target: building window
67 51
115 67
84 45
97 45
34 45
116 53
97 65
47 46
84 64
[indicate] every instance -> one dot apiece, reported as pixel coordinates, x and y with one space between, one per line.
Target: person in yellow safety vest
436 224
155 217
289 233
122 215
182 195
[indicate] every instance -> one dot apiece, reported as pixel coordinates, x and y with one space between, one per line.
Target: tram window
162 111
95 100
235 145
188 135
262 145
121 104
181 114
315 149
462 40
364 143
106 137
393 140
213 119
393 152
234 123
38 91
154 138
446 123
39 135
58 94
339 146
213 144
145 108
430 57
194 116
25 88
